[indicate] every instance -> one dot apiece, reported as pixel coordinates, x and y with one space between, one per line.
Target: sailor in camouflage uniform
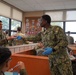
55 43
3 39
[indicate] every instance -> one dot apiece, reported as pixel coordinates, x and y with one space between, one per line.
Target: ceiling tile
38 5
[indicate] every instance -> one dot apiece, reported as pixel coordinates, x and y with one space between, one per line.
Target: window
57 24
14 25
71 15
5 22
5 9
17 14
70 26
55 16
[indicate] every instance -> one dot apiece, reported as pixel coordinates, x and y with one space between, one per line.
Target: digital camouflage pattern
54 37
20 42
35 39
3 40
60 63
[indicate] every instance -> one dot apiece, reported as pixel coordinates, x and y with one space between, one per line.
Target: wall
34 14
30 14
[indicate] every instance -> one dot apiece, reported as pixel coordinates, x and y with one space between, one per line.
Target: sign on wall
32 25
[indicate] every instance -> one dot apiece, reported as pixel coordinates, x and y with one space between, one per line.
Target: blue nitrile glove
48 51
19 37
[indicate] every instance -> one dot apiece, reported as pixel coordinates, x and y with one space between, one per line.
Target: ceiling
41 5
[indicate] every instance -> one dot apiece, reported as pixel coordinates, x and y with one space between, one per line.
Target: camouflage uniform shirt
3 40
55 38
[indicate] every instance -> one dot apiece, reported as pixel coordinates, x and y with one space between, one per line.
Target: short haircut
47 18
19 29
7 31
5 53
68 32
0 21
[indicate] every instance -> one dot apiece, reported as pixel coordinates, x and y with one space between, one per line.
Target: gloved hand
48 51
19 37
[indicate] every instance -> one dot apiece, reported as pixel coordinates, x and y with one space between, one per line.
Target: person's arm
61 37
35 39
3 42
3 39
22 68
